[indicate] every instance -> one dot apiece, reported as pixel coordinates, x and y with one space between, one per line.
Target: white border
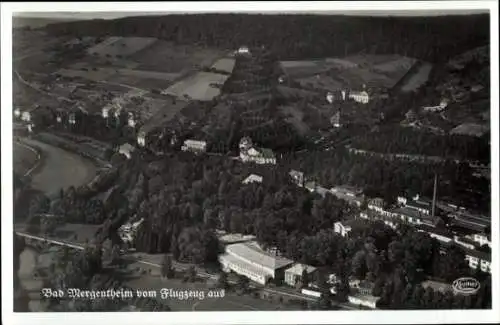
375 317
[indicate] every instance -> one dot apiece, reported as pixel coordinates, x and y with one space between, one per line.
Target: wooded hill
434 39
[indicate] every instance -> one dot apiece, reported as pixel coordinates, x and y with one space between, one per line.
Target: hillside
304 36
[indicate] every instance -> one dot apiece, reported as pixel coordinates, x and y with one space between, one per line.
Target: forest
434 39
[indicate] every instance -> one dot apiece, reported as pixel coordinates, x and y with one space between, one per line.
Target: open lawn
165 56
199 86
123 46
418 78
224 64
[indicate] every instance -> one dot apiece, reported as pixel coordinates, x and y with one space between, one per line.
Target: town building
359 96
194 146
469 220
353 196
131 120
335 120
249 153
243 50
297 177
342 228
412 216
17 112
126 149
480 238
363 300
377 204
438 108
233 238
128 231
478 259
249 260
294 273
252 179
330 97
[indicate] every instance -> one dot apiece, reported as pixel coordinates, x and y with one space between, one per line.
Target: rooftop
299 268
252 252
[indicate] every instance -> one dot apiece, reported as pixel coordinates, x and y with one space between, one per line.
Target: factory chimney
434 196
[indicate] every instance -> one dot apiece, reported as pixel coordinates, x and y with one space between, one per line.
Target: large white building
249 153
360 96
194 146
126 149
249 260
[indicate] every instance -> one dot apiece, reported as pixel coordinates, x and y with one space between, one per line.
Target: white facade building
360 96
17 112
253 179
126 149
26 116
249 153
442 105
294 273
194 145
249 260
363 300
341 228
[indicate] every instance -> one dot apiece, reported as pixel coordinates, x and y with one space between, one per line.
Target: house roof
253 178
418 205
299 268
408 212
127 147
251 251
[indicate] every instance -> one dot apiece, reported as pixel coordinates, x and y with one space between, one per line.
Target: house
131 120
294 273
297 177
438 108
480 238
360 96
412 216
252 179
249 153
243 50
17 113
421 206
194 146
330 97
141 138
464 242
363 287
126 149
233 238
376 204
441 235
469 220
363 300
478 259
335 120
352 195
342 228
249 260
128 231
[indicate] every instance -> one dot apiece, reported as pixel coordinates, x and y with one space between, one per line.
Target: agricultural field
418 78
224 64
163 114
471 129
123 46
333 73
164 56
200 86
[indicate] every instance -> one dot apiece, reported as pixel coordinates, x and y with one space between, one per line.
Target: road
61 169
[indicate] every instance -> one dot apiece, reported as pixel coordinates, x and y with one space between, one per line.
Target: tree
304 279
242 283
166 267
222 281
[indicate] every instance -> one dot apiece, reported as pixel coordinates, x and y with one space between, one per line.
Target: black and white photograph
250 157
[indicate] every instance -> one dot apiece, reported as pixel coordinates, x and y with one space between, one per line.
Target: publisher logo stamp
466 286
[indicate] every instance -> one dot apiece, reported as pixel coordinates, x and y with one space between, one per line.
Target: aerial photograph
251 162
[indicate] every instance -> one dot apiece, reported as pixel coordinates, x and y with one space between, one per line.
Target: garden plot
165 56
123 46
200 86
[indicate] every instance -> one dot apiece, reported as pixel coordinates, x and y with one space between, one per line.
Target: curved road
61 169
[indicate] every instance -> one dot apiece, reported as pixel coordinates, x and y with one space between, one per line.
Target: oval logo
467 286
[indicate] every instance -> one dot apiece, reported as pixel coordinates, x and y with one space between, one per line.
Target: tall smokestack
434 195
